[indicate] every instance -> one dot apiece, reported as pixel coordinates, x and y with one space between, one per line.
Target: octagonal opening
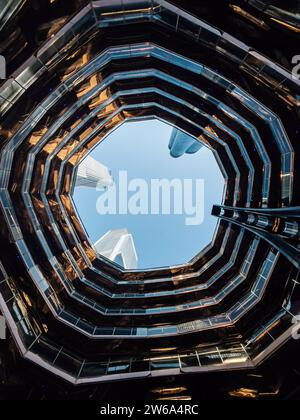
145 195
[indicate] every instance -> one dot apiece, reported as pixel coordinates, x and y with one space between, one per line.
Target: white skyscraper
93 174
117 244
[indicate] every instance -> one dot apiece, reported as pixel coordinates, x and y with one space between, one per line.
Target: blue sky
141 148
